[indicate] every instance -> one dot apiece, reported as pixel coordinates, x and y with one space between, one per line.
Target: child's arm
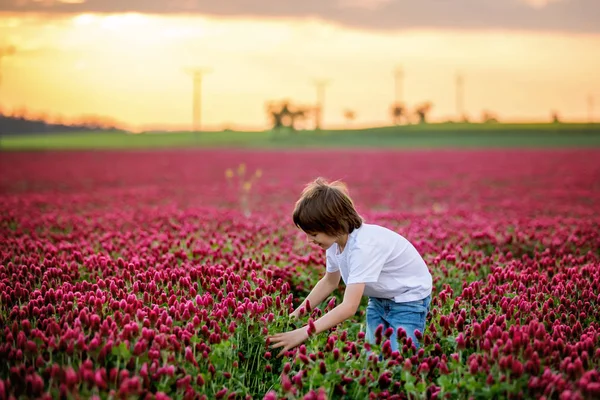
321 291
352 297
291 339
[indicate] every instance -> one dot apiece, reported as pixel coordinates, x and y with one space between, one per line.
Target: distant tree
398 112
57 119
98 122
349 115
286 115
555 117
21 112
489 117
274 115
422 111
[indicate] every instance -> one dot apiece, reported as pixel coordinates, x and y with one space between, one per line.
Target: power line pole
197 75
399 80
460 96
590 101
320 86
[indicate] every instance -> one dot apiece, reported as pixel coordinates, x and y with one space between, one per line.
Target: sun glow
541 3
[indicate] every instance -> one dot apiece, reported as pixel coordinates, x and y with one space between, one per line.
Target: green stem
117 374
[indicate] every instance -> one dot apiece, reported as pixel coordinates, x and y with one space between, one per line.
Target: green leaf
195 339
408 377
444 381
122 351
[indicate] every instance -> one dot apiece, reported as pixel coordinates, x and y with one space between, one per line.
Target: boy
372 260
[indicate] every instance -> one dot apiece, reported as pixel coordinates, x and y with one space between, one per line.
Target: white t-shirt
385 261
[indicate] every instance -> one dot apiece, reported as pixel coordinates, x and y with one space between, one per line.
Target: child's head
326 208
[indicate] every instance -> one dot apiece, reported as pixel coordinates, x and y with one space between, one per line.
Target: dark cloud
558 15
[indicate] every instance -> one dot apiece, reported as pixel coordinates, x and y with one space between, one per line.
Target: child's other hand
288 340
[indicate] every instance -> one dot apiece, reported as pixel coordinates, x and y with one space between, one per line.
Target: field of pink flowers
159 274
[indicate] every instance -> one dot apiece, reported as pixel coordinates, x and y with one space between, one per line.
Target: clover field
159 274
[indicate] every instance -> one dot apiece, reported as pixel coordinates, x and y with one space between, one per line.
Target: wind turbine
460 96
320 86
398 79
197 75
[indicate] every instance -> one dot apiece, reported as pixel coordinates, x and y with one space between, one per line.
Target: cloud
537 15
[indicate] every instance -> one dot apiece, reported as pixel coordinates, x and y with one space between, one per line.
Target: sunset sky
126 59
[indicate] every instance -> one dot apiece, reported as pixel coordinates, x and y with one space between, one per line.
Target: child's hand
288 340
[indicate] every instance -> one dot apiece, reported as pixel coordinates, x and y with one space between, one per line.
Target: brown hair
326 207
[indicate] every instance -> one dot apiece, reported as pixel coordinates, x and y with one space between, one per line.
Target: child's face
321 239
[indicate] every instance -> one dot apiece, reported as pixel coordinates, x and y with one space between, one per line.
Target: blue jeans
409 316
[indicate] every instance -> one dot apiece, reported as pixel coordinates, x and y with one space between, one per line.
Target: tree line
19 123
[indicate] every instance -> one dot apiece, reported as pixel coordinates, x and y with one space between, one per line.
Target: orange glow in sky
132 67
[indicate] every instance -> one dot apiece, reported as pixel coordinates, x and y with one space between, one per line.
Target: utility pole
590 101
460 96
398 79
320 85
197 75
